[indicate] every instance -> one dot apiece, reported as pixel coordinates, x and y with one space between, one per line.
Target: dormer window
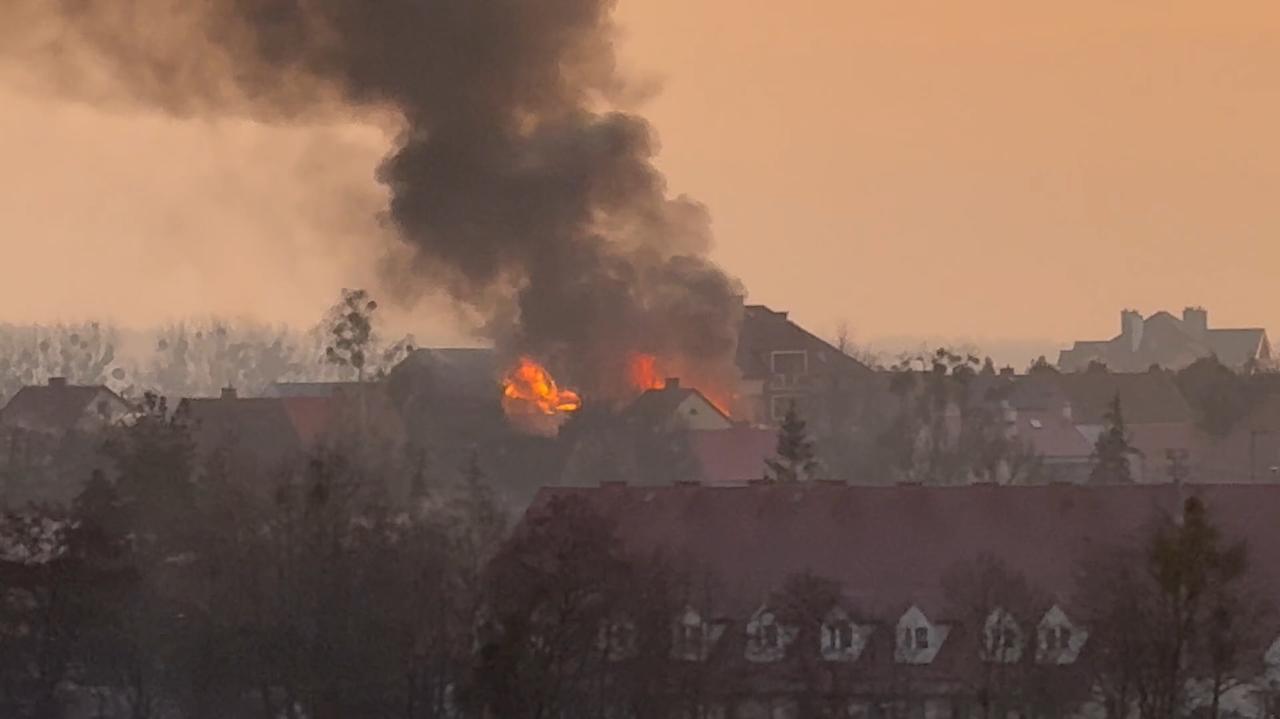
690 636
767 637
918 639
618 639
693 636
1059 641
1002 639
842 640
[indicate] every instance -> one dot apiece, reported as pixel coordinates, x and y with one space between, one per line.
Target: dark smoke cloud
510 186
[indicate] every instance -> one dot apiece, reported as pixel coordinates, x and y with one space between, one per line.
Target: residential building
676 408
1171 343
58 408
782 363
51 440
1061 415
265 433
903 638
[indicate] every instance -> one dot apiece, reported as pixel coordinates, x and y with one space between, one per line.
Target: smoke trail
512 189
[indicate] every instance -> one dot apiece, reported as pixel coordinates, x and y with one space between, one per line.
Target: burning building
515 187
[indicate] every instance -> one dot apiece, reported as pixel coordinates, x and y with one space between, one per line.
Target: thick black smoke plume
515 191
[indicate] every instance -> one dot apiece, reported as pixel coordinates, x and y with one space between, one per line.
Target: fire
530 388
642 372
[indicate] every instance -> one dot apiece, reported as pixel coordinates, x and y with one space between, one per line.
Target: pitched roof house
58 407
676 407
1169 342
1062 414
781 362
893 550
265 431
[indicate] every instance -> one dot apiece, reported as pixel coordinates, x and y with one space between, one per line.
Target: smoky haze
513 186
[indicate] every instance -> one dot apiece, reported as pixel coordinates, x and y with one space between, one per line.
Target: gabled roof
267 428
1236 347
54 407
891 547
658 406
467 374
764 330
1052 435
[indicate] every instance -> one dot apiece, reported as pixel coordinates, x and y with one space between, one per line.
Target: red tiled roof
1052 435
312 417
733 455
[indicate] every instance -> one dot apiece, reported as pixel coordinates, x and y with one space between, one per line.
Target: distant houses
1061 415
58 407
440 406
1166 341
782 363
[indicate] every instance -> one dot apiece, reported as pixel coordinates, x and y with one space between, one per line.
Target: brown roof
53 407
764 330
1052 435
890 547
1144 396
734 455
262 427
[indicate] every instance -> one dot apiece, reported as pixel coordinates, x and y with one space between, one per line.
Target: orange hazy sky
984 170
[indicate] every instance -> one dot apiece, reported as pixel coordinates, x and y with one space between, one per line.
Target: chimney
1131 326
57 381
228 393
672 383
1067 414
1195 320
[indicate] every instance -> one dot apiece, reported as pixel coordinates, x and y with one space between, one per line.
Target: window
914 638
769 637
1057 639
841 635
789 362
781 403
691 637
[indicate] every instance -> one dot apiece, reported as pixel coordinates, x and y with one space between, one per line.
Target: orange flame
529 388
642 372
